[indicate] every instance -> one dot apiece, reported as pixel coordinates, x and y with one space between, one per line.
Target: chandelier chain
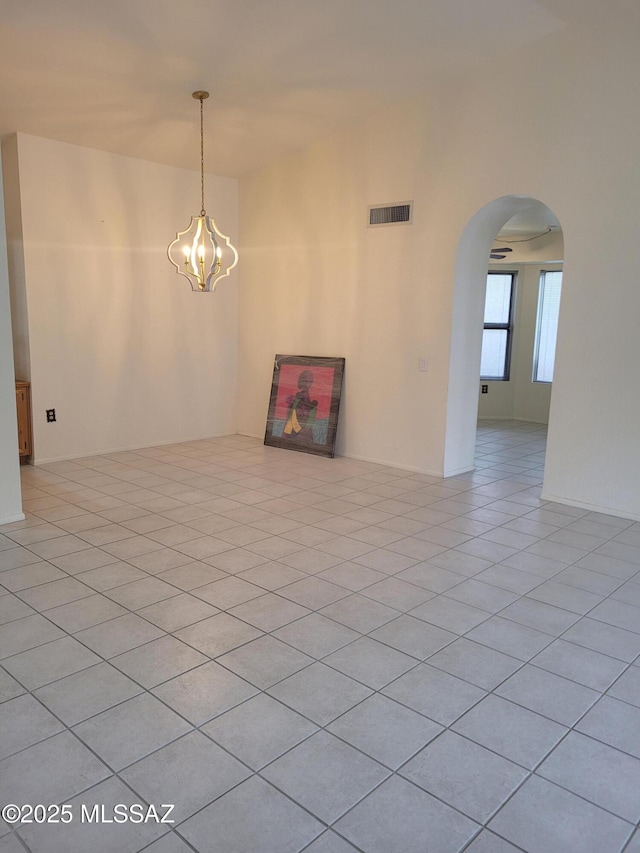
202 211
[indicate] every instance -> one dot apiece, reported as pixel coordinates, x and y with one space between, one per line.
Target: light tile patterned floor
319 655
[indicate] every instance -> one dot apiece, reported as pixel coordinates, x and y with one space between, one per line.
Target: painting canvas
304 404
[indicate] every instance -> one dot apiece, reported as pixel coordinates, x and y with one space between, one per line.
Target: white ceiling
117 75
537 218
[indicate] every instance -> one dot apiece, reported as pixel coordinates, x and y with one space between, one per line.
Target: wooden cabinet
23 406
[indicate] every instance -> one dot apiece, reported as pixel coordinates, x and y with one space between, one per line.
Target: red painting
318 381
305 398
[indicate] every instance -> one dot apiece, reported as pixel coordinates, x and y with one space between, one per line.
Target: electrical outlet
51 416
485 389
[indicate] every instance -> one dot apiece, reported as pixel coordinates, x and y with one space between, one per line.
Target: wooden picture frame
304 404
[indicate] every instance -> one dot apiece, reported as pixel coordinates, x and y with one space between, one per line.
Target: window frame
538 328
508 326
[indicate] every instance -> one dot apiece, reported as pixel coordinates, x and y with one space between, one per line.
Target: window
496 337
547 325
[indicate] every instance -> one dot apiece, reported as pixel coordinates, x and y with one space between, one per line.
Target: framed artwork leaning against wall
304 403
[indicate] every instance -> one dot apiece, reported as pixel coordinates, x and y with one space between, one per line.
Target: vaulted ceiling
118 75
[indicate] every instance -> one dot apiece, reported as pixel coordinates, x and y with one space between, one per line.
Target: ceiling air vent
391 214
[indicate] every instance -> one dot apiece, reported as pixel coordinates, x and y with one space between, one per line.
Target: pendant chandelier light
202 253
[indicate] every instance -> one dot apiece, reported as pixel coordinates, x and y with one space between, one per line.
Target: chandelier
202 253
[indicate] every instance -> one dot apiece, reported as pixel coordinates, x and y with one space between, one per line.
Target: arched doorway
467 326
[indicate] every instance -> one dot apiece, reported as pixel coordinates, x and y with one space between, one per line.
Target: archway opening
532 232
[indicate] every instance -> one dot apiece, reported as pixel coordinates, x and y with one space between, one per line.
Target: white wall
118 343
317 281
10 493
15 257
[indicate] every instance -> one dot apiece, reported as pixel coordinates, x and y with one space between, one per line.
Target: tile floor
319 655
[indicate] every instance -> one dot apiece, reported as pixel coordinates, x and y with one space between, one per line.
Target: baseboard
129 448
387 464
375 461
604 510
511 418
455 472
9 519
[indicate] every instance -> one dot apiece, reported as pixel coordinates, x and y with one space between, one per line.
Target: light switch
423 363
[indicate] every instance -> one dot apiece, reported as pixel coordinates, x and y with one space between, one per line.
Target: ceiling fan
499 254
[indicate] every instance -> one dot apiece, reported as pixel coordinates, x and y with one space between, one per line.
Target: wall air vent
391 214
